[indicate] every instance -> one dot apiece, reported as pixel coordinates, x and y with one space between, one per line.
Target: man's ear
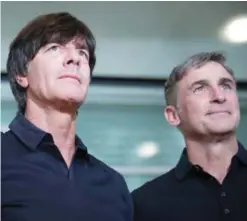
22 80
172 116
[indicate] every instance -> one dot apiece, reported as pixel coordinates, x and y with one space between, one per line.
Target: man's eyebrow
81 45
199 82
46 46
227 80
206 82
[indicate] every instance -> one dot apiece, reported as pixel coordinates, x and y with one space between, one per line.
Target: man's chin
72 99
222 131
68 104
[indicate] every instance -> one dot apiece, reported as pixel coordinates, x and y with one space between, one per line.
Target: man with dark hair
47 172
209 182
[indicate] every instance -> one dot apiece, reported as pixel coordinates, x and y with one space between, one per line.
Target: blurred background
138 44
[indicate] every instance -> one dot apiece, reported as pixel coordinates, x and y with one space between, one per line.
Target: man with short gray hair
209 182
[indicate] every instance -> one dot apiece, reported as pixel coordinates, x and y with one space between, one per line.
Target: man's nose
218 95
71 57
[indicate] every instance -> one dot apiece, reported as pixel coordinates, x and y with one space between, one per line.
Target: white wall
137 39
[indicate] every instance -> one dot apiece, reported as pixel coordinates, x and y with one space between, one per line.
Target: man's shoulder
7 147
153 196
11 146
106 168
6 138
152 188
4 133
116 181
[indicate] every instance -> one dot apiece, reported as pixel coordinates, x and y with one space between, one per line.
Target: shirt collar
242 154
184 165
32 136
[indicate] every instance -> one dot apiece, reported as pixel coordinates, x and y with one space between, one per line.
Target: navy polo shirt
188 193
37 185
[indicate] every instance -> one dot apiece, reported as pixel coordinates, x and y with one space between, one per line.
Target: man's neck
213 156
60 125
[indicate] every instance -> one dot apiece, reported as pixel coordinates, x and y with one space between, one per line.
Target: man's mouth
218 112
72 76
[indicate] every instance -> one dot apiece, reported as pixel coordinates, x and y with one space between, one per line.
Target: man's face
207 101
58 74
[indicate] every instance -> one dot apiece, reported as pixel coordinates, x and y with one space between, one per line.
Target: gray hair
194 62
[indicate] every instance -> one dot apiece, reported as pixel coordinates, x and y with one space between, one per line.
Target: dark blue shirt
188 193
37 185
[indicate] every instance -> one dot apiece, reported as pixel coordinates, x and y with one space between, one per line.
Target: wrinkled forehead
211 72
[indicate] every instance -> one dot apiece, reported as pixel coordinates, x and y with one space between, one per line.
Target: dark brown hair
49 28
